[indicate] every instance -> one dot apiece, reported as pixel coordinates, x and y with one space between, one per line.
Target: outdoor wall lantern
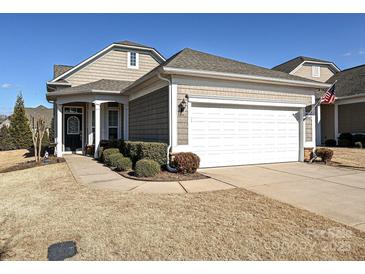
183 104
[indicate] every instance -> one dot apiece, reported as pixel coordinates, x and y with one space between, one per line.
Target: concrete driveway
336 193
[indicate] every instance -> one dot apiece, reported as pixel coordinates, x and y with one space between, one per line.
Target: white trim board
350 100
236 101
243 77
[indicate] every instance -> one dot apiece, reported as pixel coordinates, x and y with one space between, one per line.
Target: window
73 125
316 71
132 59
113 124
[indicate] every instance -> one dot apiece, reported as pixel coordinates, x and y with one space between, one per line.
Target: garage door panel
238 135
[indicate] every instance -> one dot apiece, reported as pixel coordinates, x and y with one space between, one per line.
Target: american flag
330 96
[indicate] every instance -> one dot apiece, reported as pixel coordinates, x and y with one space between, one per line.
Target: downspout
169 168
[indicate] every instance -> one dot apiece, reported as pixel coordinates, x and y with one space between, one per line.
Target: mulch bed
32 163
164 176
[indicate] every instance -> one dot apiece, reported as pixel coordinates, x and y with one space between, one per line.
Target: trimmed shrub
186 162
325 154
145 150
330 143
111 160
147 168
123 163
105 156
345 140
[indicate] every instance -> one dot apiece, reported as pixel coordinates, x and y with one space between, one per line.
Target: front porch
82 122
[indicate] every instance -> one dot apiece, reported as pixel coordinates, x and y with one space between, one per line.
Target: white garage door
224 135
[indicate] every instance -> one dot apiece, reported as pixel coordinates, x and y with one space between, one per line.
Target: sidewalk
89 172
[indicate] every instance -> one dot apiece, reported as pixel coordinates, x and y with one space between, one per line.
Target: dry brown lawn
349 157
13 157
44 205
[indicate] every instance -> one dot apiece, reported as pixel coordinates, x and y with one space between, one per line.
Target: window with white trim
113 124
316 71
133 59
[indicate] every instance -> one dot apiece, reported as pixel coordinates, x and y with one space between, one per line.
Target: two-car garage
235 134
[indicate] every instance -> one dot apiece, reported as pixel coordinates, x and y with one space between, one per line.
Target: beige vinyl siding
327 122
308 129
306 72
149 117
249 94
351 118
112 65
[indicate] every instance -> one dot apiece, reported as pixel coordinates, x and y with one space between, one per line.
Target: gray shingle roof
131 43
60 69
197 60
290 65
103 85
349 81
40 112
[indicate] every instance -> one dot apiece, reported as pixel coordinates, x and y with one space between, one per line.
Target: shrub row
145 150
112 157
347 140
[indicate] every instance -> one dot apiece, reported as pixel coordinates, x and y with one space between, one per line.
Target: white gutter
243 77
169 168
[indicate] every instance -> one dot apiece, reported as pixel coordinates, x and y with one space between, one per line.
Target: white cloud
6 85
361 52
347 54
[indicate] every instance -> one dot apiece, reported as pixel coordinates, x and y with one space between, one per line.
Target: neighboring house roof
290 65
123 44
40 112
93 87
60 69
349 81
4 123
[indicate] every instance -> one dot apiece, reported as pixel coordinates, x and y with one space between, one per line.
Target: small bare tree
38 128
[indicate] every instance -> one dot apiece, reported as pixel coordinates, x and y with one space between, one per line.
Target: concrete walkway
89 172
336 193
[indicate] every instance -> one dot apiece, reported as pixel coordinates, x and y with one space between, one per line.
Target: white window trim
129 60
316 71
107 121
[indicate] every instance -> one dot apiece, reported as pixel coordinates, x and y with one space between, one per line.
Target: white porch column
89 124
301 134
59 131
318 126
97 129
125 121
336 121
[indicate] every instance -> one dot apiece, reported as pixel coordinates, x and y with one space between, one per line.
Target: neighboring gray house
348 112
226 111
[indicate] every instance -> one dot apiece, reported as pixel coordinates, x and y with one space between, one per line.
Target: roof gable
66 71
291 65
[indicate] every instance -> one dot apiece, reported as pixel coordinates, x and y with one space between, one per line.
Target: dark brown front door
73 132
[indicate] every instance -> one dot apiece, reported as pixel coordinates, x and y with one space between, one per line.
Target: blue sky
31 43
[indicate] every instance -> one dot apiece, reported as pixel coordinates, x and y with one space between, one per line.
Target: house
228 112
39 112
5 123
346 114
